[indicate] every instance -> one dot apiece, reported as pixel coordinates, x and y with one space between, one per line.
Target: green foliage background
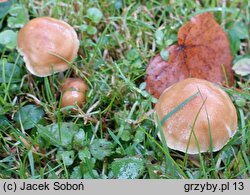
114 134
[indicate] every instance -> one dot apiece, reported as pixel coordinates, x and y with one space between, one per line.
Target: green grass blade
177 108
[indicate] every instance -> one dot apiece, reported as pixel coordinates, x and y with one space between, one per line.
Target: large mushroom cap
217 115
46 45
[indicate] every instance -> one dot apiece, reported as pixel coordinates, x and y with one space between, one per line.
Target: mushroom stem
60 76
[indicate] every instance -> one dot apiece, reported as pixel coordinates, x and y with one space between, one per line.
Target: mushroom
73 92
47 45
215 112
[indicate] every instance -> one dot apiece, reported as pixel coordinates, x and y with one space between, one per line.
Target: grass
116 126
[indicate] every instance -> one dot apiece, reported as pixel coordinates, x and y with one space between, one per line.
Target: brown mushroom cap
76 84
45 43
71 98
73 92
218 108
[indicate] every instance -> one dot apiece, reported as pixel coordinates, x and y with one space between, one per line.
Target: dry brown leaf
203 51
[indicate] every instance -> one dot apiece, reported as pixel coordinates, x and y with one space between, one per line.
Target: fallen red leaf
203 51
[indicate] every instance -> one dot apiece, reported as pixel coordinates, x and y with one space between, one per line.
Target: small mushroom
47 45
73 92
213 108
